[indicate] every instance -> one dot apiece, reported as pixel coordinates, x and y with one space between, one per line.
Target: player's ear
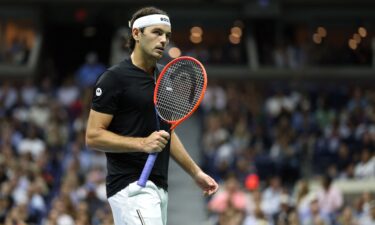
136 34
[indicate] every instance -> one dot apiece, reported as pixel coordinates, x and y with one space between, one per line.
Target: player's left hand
206 183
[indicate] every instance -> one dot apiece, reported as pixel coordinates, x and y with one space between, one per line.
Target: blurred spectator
276 104
343 159
324 114
303 196
258 219
346 217
214 98
40 112
89 71
362 205
288 56
369 219
28 92
212 139
18 52
271 197
18 215
231 196
293 218
57 128
229 203
357 100
8 96
282 216
366 166
330 197
20 110
5 206
68 92
315 216
32 144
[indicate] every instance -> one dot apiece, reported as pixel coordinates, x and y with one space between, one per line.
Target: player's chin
158 55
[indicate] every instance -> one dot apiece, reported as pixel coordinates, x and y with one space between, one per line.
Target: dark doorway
68 42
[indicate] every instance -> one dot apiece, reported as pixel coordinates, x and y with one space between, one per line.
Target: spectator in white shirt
370 218
32 144
366 167
271 197
68 92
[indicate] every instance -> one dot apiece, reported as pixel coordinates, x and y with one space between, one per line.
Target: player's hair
140 13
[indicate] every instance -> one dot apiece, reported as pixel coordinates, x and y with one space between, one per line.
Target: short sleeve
105 93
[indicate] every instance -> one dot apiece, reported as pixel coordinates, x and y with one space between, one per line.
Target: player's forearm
106 141
182 157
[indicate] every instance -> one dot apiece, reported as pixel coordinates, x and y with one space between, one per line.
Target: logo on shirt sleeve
98 92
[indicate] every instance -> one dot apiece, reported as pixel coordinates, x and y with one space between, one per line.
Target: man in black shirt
122 123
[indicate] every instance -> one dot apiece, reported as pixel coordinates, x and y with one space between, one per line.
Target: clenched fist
155 142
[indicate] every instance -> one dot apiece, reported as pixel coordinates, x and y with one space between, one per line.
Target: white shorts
135 205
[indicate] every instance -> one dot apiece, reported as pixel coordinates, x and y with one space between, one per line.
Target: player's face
154 40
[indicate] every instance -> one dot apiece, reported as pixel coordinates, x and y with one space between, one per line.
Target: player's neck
146 64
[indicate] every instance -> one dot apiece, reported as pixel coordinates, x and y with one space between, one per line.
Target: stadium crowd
260 141
47 175
266 143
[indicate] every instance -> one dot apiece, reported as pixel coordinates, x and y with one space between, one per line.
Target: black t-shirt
126 92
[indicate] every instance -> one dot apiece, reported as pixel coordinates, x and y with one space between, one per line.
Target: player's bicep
98 120
96 123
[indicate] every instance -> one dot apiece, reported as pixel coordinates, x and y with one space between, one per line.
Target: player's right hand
155 142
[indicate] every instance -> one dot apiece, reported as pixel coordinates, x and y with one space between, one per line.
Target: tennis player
122 123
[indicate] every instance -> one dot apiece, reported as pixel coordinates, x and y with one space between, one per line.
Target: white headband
150 20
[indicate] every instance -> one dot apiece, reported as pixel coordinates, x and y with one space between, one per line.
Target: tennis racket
178 92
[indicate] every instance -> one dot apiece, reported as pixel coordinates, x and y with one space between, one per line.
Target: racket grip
147 169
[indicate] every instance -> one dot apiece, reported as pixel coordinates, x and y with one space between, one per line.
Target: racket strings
179 90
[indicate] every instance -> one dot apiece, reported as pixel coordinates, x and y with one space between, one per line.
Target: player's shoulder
116 72
122 67
110 76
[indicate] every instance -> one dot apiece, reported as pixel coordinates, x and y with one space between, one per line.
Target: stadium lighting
317 38
352 44
236 31
174 52
234 40
195 39
362 31
357 38
321 31
196 31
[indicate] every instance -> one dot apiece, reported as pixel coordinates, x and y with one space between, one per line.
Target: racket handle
150 160
147 169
